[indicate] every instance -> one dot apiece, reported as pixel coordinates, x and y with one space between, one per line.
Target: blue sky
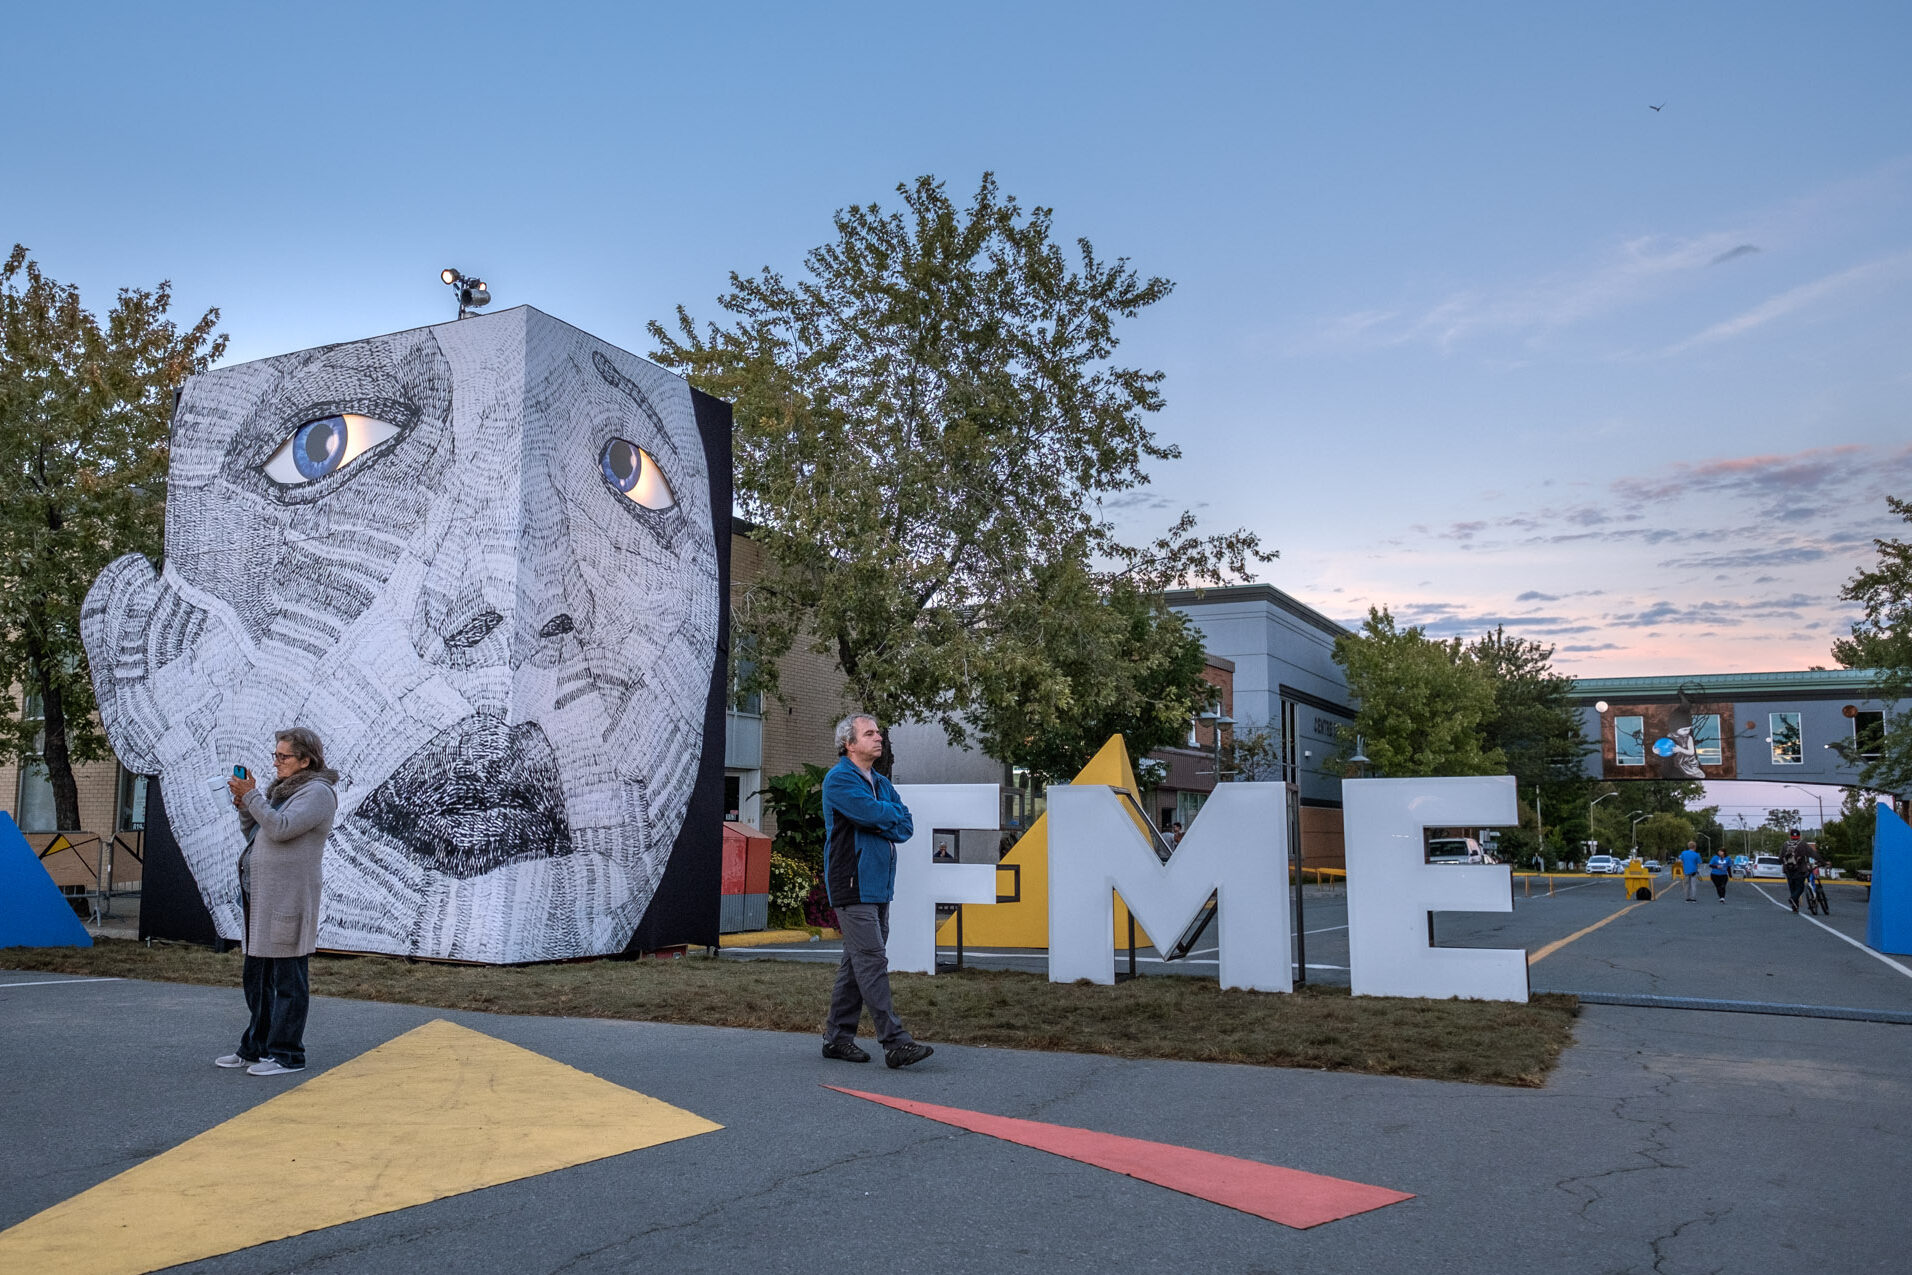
1460 326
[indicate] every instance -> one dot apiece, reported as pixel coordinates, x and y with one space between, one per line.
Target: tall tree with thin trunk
925 421
1881 639
84 410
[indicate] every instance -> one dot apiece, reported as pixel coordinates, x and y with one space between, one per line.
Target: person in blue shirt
863 819
1690 866
1720 867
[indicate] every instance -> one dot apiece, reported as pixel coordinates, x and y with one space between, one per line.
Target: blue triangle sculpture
33 912
1889 917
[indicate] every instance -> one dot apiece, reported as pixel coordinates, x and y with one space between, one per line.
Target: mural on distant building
1682 741
479 560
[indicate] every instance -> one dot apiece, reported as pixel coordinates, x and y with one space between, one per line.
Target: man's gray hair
846 730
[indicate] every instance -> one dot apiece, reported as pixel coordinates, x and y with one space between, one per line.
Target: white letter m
1237 849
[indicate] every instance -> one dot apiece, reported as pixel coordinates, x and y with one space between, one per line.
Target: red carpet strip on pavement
1288 1196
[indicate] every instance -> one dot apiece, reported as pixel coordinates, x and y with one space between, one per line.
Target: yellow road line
1534 958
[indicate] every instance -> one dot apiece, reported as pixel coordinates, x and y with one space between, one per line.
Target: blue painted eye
633 473
318 445
325 446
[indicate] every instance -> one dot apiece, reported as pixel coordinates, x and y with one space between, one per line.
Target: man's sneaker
845 1050
907 1055
233 1060
272 1067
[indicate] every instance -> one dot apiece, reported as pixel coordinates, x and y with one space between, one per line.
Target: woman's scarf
286 785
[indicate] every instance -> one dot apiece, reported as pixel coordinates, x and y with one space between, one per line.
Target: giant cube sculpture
481 560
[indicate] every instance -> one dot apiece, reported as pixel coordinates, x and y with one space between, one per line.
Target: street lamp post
1633 834
1590 805
1816 797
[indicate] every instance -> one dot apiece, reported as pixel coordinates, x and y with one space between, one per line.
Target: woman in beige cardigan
280 873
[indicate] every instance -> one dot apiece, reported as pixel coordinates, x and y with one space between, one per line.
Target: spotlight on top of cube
472 293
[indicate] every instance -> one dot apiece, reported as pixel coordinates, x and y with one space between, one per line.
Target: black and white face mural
479 560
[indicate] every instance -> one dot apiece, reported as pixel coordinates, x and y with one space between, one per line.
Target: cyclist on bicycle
1815 892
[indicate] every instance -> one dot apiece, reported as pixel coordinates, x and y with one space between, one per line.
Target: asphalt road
1670 1141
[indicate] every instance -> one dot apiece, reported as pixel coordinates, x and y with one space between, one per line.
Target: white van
1455 850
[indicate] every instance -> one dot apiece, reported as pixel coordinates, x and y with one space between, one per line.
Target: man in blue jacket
862 821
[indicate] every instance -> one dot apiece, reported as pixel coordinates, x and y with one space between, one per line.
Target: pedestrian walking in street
863 819
1690 868
281 872
1794 862
1720 867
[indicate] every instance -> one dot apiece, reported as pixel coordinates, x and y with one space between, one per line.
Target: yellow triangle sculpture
1025 923
437 1112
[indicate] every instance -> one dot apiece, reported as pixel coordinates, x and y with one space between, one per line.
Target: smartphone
240 772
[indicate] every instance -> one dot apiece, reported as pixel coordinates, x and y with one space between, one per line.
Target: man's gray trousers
863 977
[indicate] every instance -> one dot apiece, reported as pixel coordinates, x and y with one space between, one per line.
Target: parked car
1655 867
1456 850
1766 865
1605 863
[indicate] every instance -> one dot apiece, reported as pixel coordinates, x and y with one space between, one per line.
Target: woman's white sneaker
272 1067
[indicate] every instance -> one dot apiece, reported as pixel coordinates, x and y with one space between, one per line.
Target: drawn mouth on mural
477 797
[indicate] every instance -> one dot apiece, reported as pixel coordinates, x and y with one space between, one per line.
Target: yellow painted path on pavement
436 1112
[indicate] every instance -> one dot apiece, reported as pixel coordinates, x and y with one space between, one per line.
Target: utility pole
1540 829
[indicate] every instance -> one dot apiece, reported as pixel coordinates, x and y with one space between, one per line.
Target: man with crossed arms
863 819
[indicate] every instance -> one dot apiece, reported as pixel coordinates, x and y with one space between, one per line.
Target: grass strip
1490 1042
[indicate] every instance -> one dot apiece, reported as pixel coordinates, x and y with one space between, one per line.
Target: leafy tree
1083 667
1846 841
1536 728
1662 834
1782 820
923 421
1533 723
84 410
1423 703
1882 639
1612 820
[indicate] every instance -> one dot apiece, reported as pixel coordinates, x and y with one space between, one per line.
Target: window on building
35 799
749 703
33 803
132 802
1706 739
733 797
1187 806
1025 801
1789 746
1629 741
1868 734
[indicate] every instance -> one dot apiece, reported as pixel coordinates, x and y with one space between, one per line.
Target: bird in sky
1651 107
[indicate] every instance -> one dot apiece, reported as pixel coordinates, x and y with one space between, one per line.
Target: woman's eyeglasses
285 757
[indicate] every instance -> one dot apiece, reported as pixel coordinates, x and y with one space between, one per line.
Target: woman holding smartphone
280 874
